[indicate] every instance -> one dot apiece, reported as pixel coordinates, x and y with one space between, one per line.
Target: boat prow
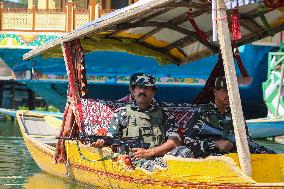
220 171
40 138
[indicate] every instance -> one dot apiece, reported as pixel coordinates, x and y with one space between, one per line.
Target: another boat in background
266 127
273 124
108 73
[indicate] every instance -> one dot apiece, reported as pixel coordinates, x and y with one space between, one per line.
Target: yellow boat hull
211 172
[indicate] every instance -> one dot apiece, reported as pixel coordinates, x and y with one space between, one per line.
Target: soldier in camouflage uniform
145 119
217 114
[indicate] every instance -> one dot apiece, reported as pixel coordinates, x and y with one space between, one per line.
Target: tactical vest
217 120
146 125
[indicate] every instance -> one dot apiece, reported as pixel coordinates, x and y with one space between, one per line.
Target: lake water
18 170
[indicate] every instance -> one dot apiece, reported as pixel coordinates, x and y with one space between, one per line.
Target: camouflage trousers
181 151
151 164
158 162
185 152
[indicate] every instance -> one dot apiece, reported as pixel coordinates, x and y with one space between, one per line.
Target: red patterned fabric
70 61
80 68
60 155
199 32
273 3
240 63
236 27
77 88
180 112
97 114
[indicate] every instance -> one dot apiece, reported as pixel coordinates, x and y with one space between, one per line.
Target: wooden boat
212 172
273 97
156 28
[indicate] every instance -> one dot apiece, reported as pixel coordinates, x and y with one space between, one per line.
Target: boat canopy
171 31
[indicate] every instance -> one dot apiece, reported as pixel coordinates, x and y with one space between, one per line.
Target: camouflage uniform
202 145
120 121
152 125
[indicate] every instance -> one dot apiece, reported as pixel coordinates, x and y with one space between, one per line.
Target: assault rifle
213 131
118 144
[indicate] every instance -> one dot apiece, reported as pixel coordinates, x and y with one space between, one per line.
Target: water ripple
16 164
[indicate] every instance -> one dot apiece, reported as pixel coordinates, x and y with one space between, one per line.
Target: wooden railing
48 20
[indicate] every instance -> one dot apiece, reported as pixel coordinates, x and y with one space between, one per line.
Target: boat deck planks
38 126
38 129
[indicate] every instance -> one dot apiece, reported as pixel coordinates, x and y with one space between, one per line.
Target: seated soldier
217 115
145 119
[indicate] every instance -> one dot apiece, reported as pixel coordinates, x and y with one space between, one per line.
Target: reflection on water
46 181
16 163
18 170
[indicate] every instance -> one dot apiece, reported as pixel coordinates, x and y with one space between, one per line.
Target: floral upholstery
97 114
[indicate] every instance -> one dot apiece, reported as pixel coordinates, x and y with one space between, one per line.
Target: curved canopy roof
161 29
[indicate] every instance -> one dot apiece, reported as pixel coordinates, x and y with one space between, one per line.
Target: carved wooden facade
64 19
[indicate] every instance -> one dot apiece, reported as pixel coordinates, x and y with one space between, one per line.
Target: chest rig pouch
145 125
219 121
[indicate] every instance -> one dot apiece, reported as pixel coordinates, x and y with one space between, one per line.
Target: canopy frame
146 14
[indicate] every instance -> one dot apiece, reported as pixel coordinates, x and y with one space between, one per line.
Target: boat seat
97 114
38 127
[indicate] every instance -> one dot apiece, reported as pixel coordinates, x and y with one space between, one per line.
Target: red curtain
77 89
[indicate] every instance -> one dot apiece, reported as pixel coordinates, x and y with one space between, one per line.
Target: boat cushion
97 114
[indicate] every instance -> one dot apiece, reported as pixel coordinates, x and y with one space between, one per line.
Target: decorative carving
17 21
81 19
53 21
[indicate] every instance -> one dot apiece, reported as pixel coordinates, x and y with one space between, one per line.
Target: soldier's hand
224 145
98 144
141 153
